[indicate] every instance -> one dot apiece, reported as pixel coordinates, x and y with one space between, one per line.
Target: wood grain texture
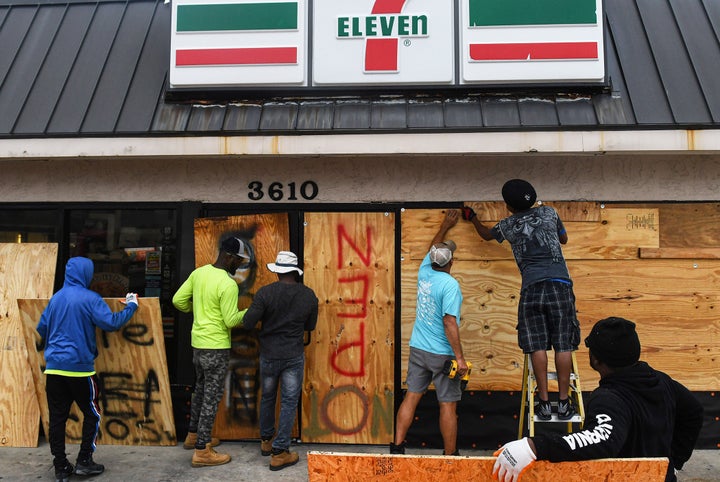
674 301
348 467
26 270
134 386
350 263
238 411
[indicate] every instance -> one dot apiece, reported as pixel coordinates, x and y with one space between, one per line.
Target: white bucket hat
285 262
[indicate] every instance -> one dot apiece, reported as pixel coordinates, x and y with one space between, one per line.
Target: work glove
468 213
513 459
131 298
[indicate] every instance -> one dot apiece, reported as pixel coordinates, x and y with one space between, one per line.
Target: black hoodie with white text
635 412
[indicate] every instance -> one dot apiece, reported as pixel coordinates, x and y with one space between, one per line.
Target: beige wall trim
359 144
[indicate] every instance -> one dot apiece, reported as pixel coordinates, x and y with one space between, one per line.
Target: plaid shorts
547 319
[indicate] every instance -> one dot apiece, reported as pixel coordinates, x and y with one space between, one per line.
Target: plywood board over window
348 390
26 270
132 372
654 264
238 411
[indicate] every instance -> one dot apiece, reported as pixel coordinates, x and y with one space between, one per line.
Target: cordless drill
450 369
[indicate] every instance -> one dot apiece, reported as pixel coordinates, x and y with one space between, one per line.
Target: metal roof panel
279 116
463 112
47 88
315 116
389 115
89 62
112 87
27 63
242 118
674 66
352 114
537 111
425 114
637 63
698 35
500 111
148 82
575 111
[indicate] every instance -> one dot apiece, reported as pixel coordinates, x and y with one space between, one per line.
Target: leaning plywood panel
26 270
134 388
348 467
348 392
237 416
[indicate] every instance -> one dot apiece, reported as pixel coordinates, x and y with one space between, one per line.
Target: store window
28 225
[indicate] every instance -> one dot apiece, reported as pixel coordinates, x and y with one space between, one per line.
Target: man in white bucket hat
287 309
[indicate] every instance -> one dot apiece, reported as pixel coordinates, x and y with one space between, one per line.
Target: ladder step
554 419
553 376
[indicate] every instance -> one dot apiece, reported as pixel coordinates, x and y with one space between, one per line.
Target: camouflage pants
210 369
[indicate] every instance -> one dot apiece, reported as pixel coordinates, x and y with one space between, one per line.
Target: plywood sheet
238 411
25 270
348 467
131 367
348 392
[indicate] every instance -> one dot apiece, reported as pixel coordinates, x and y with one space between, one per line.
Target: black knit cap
519 194
614 341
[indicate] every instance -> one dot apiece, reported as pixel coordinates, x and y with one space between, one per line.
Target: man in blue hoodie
67 328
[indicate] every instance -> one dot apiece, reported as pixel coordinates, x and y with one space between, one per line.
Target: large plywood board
238 411
348 467
26 270
674 301
348 392
134 387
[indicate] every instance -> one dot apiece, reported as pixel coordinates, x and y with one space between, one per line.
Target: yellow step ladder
528 398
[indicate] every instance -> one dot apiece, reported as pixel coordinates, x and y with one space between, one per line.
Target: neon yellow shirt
212 296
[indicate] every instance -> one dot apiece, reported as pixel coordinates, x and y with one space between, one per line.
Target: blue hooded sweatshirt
67 326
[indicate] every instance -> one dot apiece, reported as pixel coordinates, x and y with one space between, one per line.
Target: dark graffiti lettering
132 332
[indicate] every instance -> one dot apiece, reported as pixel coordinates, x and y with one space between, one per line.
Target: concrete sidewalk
132 463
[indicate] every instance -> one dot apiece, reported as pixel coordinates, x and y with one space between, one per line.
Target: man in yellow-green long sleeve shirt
211 294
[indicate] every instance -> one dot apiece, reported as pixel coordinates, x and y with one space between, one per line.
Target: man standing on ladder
546 312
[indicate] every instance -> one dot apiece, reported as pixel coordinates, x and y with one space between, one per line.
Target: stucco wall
387 178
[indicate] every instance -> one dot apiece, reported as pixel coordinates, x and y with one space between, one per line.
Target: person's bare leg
405 415
448 426
540 363
563 365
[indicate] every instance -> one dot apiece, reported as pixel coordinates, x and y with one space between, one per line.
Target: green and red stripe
494 13
237 17
535 51
236 56
266 17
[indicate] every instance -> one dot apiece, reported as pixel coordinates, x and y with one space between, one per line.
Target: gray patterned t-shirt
534 238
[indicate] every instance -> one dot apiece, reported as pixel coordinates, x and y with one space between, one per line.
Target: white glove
131 298
512 459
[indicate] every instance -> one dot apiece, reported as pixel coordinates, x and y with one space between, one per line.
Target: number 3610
278 191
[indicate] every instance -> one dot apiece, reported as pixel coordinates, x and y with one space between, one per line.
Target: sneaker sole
280 467
88 472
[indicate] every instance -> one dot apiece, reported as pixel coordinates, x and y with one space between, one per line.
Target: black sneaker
566 409
63 473
397 449
88 467
543 410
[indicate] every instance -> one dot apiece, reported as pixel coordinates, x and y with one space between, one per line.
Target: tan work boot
191 440
207 457
265 447
283 459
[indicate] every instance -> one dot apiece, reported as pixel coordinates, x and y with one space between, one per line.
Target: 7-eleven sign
383 42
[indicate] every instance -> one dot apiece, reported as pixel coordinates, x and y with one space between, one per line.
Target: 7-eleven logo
381 54
382 30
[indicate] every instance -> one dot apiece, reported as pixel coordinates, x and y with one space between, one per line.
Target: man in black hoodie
635 412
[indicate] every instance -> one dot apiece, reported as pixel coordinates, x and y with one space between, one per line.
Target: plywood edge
680 253
331 466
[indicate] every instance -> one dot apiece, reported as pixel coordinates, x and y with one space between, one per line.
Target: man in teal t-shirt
435 339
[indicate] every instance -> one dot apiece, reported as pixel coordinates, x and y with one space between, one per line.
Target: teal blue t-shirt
438 294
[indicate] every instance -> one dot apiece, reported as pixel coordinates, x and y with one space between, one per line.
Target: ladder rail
527 403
